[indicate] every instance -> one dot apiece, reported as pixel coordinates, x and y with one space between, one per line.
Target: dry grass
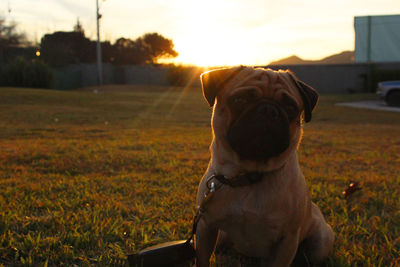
86 178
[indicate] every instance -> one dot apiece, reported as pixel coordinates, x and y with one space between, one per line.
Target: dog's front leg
206 237
285 251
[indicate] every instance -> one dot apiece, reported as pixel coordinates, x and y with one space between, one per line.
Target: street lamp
99 60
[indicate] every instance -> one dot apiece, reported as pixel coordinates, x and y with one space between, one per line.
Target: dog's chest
253 221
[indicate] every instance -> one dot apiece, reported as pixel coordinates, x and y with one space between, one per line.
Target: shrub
183 76
24 73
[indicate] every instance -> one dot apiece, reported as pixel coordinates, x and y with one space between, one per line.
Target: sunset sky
210 32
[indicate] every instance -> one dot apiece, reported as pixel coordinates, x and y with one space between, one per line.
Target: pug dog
261 205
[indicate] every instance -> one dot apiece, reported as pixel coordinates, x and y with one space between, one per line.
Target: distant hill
344 57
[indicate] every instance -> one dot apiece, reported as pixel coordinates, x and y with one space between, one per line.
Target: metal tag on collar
210 184
212 187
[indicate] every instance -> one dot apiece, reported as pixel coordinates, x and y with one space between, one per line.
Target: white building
377 38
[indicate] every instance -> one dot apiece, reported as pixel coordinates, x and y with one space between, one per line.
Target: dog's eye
239 100
291 108
292 112
243 98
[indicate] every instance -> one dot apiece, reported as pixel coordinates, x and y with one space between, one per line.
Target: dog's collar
243 179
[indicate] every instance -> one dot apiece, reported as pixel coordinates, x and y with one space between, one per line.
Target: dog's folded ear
308 94
212 81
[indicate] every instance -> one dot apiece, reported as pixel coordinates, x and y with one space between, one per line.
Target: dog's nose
268 109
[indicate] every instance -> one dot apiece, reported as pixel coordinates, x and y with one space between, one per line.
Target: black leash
177 252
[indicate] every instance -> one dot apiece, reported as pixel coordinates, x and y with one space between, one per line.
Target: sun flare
204 41
200 53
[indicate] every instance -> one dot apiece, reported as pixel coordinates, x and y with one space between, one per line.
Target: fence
84 75
328 78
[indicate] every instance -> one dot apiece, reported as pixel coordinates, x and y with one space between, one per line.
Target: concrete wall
84 75
146 75
338 78
329 78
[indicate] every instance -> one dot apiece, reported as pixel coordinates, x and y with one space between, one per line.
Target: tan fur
268 219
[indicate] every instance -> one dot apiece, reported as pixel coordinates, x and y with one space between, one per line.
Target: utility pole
99 60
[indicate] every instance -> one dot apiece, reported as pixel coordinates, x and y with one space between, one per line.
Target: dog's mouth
260 132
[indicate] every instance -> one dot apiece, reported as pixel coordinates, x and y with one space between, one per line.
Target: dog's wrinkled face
258 111
260 126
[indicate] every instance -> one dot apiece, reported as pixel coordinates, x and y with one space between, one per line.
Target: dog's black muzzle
260 131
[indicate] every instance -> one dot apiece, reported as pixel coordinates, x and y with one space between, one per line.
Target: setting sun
210 52
205 37
204 40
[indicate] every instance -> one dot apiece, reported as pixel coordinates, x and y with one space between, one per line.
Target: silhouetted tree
147 49
130 52
107 51
62 48
78 27
158 46
12 43
9 35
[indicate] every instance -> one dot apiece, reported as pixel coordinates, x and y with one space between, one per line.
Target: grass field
87 178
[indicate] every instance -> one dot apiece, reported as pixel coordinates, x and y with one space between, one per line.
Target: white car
390 92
